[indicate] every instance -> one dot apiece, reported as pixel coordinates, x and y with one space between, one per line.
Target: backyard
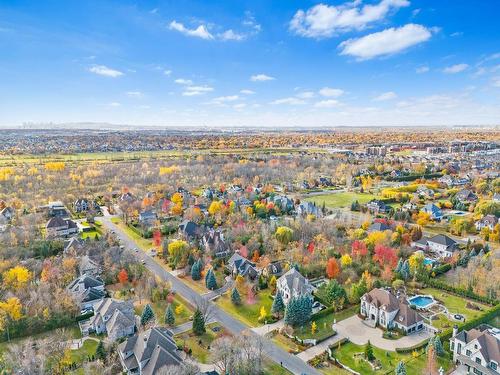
341 199
200 345
182 314
247 312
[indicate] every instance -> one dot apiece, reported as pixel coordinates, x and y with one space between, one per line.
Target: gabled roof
378 227
295 281
85 282
382 298
443 239
488 339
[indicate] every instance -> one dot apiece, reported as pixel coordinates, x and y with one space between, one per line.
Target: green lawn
454 304
340 200
247 313
273 368
324 324
142 243
200 345
86 350
388 360
90 234
160 307
199 285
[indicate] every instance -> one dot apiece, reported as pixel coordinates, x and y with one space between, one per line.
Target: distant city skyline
250 63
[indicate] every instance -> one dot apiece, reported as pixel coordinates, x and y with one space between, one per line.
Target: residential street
278 355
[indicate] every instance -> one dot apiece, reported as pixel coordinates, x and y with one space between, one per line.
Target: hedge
460 292
410 349
415 177
439 270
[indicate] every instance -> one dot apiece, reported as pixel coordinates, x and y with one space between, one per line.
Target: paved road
278 355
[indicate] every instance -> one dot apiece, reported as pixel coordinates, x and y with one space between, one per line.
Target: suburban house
73 245
87 290
466 196
433 210
308 208
146 352
84 205
440 244
293 284
381 307
59 227
214 244
496 197
112 317
189 229
376 206
57 208
378 227
487 221
87 266
274 268
284 203
476 351
425 192
147 218
7 213
239 265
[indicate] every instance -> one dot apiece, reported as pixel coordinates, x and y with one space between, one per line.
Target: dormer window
493 366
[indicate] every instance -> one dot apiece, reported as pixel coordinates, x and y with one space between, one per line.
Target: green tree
400 368
278 305
369 351
335 294
211 282
147 315
235 297
196 270
198 323
100 352
298 311
438 346
169 315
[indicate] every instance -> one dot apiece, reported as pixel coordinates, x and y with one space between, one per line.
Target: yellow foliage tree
17 277
345 260
177 198
215 207
314 328
179 309
263 313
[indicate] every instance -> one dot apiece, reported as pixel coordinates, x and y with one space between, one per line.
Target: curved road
278 355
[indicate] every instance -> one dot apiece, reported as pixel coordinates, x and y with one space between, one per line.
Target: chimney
455 330
145 342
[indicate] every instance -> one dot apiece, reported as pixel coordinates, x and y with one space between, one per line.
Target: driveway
359 333
278 355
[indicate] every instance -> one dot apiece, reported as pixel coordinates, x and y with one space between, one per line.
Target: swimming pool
429 261
421 302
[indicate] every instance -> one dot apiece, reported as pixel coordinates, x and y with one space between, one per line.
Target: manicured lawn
142 243
272 368
455 305
388 360
199 285
160 307
200 345
324 324
247 313
90 234
342 199
86 350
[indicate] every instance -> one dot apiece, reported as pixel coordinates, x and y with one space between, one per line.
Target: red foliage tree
310 247
359 249
123 276
385 256
332 268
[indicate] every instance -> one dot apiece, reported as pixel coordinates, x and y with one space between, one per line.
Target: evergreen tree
147 315
438 346
298 311
198 323
401 368
169 315
399 266
211 282
405 270
196 271
369 352
100 352
278 305
235 297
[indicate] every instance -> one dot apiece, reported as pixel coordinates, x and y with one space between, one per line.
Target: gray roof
296 282
489 342
407 316
85 282
443 239
378 227
381 297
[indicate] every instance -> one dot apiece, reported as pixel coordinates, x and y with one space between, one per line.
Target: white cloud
496 82
200 32
326 20
167 72
289 101
457 68
330 92
390 95
196 90
182 81
261 78
114 104
229 98
306 95
386 42
327 103
422 69
239 106
231 35
134 94
103 70
455 34
247 92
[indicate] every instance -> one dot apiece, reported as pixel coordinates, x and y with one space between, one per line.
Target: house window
493 365
478 360
452 346
468 353
476 371
459 348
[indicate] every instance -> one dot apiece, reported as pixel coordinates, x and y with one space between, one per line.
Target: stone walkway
359 334
316 350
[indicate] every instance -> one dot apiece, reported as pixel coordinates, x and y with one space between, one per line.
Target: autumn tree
123 276
332 268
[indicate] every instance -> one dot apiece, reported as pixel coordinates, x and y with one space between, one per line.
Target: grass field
455 305
388 360
160 307
200 345
142 243
341 199
86 350
247 313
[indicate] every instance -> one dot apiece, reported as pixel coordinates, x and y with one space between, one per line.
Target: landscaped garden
249 309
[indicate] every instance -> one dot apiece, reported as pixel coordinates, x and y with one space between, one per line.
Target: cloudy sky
252 63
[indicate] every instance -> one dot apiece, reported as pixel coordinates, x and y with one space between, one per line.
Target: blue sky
250 63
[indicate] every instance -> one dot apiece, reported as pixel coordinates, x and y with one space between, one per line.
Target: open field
341 199
247 313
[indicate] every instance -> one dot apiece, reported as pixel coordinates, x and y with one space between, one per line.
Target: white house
440 244
433 210
381 307
487 221
476 351
293 284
